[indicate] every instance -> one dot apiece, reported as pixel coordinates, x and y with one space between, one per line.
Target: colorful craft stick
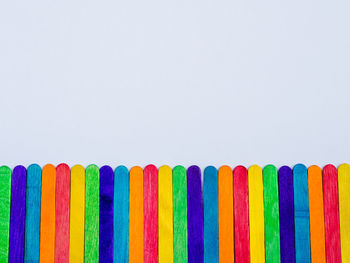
241 214
271 212
47 217
150 208
256 215
136 227
121 215
5 203
180 214
166 237
286 210
77 215
344 210
194 215
211 215
92 214
301 214
106 214
32 217
331 213
226 223
317 234
62 213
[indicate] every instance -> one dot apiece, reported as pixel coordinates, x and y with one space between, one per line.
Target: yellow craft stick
344 210
77 215
256 215
165 210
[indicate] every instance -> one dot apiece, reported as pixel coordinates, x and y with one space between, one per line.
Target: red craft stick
331 214
241 214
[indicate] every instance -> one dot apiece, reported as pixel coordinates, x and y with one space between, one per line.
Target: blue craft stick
211 215
301 212
194 215
32 216
286 208
106 215
121 215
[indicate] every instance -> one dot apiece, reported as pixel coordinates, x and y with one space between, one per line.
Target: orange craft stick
226 245
317 234
136 215
47 223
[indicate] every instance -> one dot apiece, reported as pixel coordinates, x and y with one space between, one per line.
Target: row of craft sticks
58 214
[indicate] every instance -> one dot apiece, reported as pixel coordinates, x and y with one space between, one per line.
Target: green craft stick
180 214
271 212
92 211
5 202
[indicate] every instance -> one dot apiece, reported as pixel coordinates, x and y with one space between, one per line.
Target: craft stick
77 215
271 215
301 214
256 215
136 216
17 218
241 214
32 217
180 214
286 211
121 215
211 215
331 213
92 214
47 218
166 246
226 223
344 210
62 213
5 203
317 234
106 215
194 215
150 208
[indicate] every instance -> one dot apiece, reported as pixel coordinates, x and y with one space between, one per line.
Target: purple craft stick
286 203
106 214
17 219
195 215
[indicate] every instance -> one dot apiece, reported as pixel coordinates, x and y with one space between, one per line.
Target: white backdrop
174 82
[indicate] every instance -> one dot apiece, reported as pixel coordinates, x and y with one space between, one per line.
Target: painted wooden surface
150 208
136 226
32 218
165 179
286 210
5 204
256 215
106 214
47 216
271 213
226 223
121 215
211 215
195 215
17 217
77 215
344 210
317 232
62 213
180 214
301 214
331 214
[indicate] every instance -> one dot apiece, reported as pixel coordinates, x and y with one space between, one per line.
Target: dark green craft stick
271 212
180 214
5 202
92 213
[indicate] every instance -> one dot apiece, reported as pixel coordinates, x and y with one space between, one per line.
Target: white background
174 82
